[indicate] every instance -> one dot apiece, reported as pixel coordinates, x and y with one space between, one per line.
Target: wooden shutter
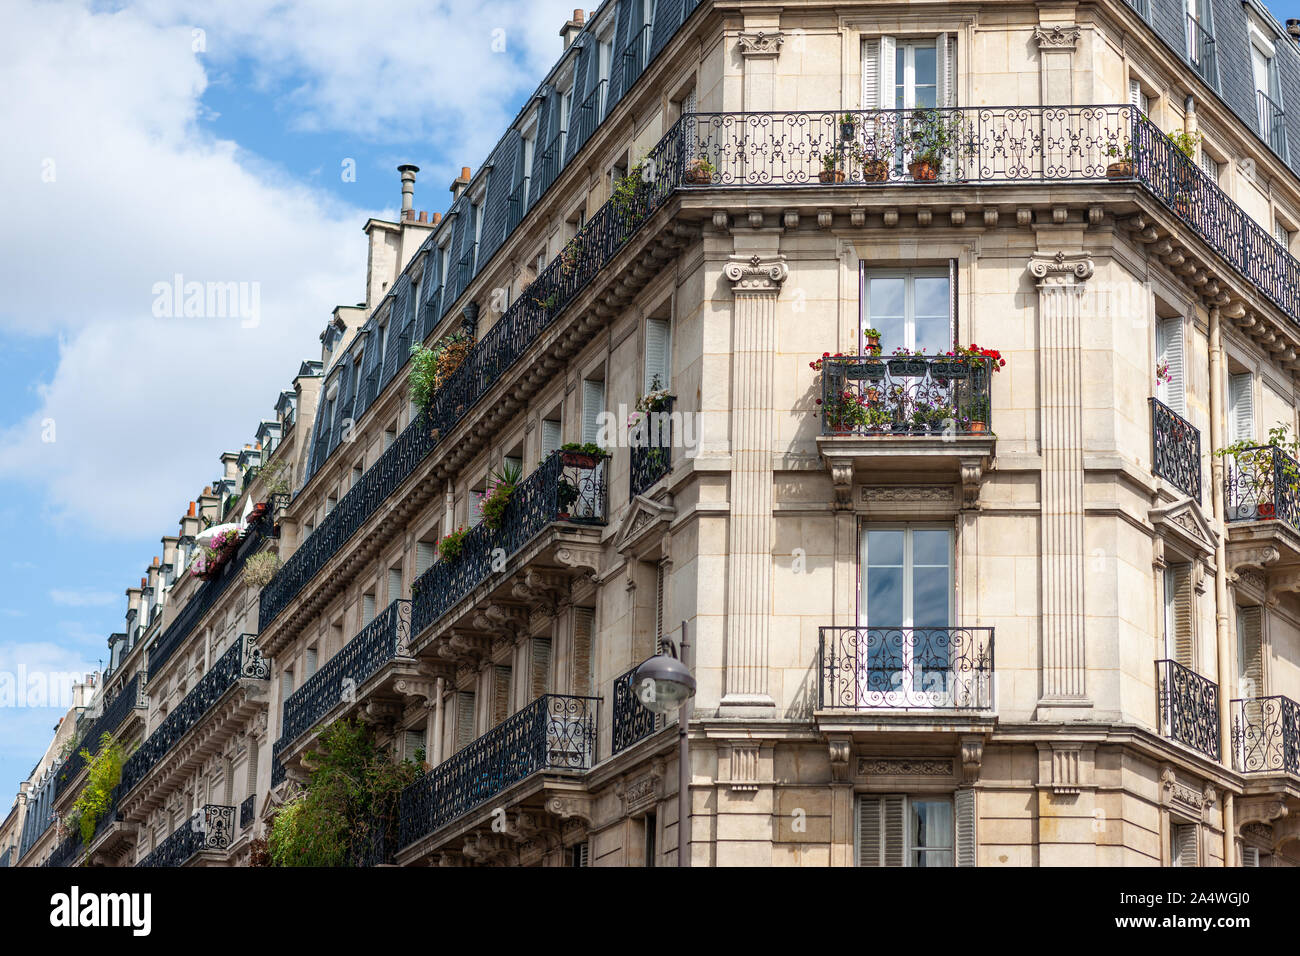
413 744
1169 349
871 73
1249 856
888 79
464 719
550 437
1241 407
1180 614
593 403
584 619
881 830
253 752
313 660
1185 844
424 551
1250 651
658 345
660 574
580 854
540 664
946 70
394 584
367 609
500 693
964 809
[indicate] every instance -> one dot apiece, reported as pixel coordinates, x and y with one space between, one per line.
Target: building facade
966 338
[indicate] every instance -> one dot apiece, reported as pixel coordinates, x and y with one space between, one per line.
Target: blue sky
166 136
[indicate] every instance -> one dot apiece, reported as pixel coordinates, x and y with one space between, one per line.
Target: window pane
933 327
925 76
886 311
931 824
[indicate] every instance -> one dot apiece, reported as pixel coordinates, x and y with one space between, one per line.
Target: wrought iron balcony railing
211 828
1175 449
67 853
904 668
906 395
587 116
1266 735
1272 123
278 772
652 448
1189 707
636 56
242 659
114 716
1200 51
566 487
385 638
554 732
246 811
1262 484
632 720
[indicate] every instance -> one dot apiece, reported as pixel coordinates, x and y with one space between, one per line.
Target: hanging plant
501 484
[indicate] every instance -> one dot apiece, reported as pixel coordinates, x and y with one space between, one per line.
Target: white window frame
909 303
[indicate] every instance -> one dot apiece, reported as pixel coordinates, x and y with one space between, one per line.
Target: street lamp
665 684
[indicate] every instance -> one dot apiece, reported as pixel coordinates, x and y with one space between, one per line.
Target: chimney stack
460 183
1293 28
571 29
408 189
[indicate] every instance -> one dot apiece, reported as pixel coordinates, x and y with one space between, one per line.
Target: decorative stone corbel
586 561
972 757
842 478
571 806
464 647
1255 558
1282 582
972 470
841 752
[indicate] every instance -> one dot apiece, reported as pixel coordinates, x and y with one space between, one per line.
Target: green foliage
104 773
353 790
450 546
587 448
503 481
1186 143
260 568
275 477
630 192
933 135
431 367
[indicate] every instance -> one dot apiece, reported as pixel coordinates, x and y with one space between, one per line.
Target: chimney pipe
460 183
408 188
191 511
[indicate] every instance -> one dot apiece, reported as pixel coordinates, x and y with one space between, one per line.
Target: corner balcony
1266 735
1188 705
906 416
206 836
1262 508
550 741
205 720
1175 450
905 679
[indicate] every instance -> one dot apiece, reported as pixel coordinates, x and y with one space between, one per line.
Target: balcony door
910 308
905 612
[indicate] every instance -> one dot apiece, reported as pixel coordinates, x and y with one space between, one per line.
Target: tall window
900 74
1241 407
1250 652
904 830
658 349
910 308
1169 353
1180 615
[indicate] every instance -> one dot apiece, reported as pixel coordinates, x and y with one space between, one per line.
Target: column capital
761 44
756 274
1061 269
1063 36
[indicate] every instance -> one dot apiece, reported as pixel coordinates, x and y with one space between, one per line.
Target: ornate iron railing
1175 449
1266 735
1200 51
587 115
1272 123
1262 484
651 442
199 605
128 699
632 720
247 811
554 732
67 853
565 487
242 659
902 395
385 638
278 772
211 828
1189 707
931 668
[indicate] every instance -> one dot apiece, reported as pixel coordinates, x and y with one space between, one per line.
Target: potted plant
907 364
978 411
1185 173
586 455
566 493
700 172
844 412
848 126
873 156
830 173
872 337
502 484
1122 166
451 545
933 137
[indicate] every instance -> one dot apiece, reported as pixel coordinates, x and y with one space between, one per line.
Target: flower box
907 367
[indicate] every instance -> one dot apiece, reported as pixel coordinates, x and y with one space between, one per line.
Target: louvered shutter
424 551
1250 651
1180 614
475 508
286 684
1185 844
583 620
541 667
1241 407
414 745
339 407
580 854
657 346
550 437
593 404
500 694
409 312
946 70
370 360
367 609
880 830
1249 856
871 73
1169 348
888 96
309 667
464 719
964 808
394 584
254 751
660 582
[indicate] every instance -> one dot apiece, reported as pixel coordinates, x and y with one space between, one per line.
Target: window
651 825
584 619
903 830
357 472
1169 352
579 854
474 506
907 584
550 436
413 748
394 583
424 553
390 436
540 664
1200 38
1241 407
1250 652
310 664
500 693
911 309
1137 96
367 608
1268 90
566 108
907 74
286 683
1211 166
1282 234
1184 844
593 405
1180 615
658 349
464 719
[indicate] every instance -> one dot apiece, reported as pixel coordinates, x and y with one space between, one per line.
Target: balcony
1200 51
920 415
1175 450
1266 735
210 829
632 722
905 669
652 450
67 853
247 811
130 701
555 733
1189 707
1262 507
241 661
1272 123
384 639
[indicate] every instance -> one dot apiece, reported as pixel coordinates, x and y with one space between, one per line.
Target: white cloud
83 598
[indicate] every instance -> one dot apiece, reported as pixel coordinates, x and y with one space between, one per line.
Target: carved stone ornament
1061 269
1059 37
756 274
891 493
840 752
904 767
760 44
